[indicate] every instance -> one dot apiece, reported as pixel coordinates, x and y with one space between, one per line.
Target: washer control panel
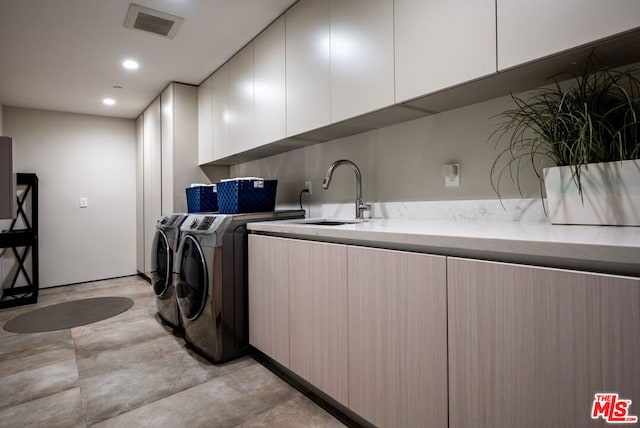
202 223
169 222
206 222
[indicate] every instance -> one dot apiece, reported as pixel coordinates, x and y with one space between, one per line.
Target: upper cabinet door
167 118
308 66
205 118
241 125
441 43
220 111
528 30
269 84
361 57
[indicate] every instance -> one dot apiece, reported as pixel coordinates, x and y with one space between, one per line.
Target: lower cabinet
530 346
318 315
269 296
298 308
415 340
397 337
365 326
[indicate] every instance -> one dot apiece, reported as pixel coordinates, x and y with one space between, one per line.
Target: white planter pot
610 190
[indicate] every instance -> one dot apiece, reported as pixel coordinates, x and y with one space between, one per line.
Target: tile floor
131 371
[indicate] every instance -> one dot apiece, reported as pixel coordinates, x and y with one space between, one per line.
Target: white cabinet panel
205 121
441 43
167 130
221 111
361 57
152 180
318 315
530 346
166 162
140 161
397 337
269 296
179 145
241 126
308 66
269 84
528 30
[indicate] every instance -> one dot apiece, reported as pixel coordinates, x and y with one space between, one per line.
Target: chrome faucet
361 205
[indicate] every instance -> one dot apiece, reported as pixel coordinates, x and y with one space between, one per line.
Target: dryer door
191 289
161 263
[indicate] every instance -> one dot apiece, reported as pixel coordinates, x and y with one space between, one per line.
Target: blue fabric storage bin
246 196
202 199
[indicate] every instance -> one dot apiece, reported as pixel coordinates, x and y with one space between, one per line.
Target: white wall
399 163
79 156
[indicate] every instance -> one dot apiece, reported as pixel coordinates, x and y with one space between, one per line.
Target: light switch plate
84 202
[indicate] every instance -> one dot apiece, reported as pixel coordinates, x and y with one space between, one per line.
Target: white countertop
593 248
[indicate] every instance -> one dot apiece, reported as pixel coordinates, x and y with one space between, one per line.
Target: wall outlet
307 185
84 202
451 174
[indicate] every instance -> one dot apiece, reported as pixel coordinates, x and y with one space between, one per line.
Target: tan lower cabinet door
318 315
531 346
397 338
269 296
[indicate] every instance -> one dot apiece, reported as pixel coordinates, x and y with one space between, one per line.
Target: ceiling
66 55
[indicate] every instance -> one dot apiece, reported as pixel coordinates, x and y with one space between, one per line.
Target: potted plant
589 127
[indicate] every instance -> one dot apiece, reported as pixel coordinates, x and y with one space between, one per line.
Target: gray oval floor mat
68 314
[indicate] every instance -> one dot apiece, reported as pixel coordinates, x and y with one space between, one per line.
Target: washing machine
211 287
163 267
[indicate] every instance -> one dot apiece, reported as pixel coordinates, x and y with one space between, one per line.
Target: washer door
191 289
161 263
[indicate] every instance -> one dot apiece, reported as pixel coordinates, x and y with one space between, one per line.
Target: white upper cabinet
179 145
361 57
269 84
241 125
220 111
205 121
167 128
528 30
442 43
308 82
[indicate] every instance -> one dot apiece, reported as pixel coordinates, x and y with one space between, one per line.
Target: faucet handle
363 206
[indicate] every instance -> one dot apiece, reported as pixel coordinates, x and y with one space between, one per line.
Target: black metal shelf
23 243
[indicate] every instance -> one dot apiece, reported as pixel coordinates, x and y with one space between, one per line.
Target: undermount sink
327 222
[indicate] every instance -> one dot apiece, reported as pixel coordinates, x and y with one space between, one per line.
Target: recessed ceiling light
130 64
108 101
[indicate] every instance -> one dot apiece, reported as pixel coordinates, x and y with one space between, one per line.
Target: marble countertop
593 248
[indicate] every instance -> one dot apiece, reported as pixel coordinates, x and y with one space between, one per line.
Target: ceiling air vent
152 21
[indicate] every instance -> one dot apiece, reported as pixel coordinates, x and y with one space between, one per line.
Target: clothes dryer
211 287
163 267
